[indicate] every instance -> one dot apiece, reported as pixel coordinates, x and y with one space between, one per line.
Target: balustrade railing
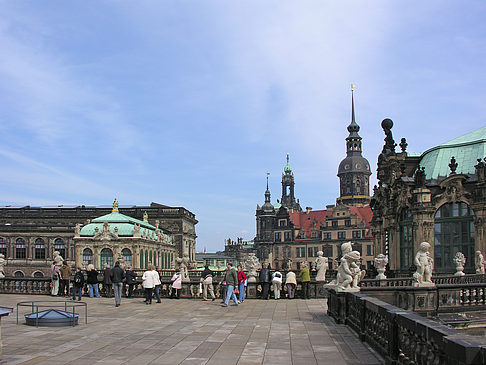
404 337
407 281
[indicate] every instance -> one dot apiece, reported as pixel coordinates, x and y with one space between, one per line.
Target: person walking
117 274
131 280
241 284
78 283
107 284
92 281
305 276
207 283
265 280
277 284
157 284
55 276
176 285
231 279
65 275
148 284
291 283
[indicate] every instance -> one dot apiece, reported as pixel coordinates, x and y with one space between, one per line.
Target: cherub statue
57 258
479 263
380 263
2 265
349 274
459 261
321 264
252 265
423 262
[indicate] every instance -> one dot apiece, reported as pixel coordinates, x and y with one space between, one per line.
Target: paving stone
187 332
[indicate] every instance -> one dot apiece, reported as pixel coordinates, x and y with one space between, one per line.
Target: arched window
454 232
406 239
146 259
141 259
39 249
38 274
3 246
87 256
20 249
106 257
127 256
150 258
60 247
19 274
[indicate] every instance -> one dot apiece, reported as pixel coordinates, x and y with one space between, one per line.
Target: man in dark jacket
231 279
265 279
117 275
131 280
107 281
78 283
207 283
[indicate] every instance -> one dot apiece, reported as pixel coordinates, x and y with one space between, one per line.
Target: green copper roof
277 206
465 149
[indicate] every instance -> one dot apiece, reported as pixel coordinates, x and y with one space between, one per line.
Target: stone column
480 228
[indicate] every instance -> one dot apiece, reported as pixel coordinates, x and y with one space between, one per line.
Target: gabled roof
304 220
365 214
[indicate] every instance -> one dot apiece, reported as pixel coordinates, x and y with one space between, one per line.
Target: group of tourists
276 280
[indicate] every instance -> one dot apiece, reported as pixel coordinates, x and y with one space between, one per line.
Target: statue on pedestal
321 264
424 264
479 263
57 258
380 263
349 274
289 264
459 261
252 265
346 248
2 265
181 266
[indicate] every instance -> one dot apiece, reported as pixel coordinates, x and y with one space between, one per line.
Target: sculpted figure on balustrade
479 262
349 274
2 265
252 265
424 264
322 264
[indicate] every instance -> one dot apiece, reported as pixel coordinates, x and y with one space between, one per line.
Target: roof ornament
403 144
287 168
453 165
390 144
145 217
115 206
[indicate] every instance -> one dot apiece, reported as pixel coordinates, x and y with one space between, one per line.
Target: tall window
278 236
312 251
356 234
288 236
327 236
141 259
87 256
60 247
300 252
406 239
127 256
342 235
3 246
39 249
20 249
327 251
106 257
454 232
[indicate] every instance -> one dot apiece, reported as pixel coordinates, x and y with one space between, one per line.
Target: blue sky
190 103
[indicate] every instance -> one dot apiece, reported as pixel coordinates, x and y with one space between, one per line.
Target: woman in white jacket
176 285
148 284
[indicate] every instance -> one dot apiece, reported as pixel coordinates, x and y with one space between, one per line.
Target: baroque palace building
29 235
438 196
287 236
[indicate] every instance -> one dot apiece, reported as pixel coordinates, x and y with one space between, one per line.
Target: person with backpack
78 283
277 283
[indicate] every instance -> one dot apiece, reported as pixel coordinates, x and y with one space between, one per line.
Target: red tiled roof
364 213
303 220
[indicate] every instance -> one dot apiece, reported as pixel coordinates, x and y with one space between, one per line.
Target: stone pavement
187 332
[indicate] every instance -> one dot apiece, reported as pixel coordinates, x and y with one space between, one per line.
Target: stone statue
252 264
77 230
380 263
313 266
346 248
289 264
459 261
423 262
57 258
322 264
479 263
349 274
2 265
181 265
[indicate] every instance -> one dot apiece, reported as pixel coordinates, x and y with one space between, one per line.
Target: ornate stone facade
438 196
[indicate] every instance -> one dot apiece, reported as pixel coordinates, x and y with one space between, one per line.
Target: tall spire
267 192
353 127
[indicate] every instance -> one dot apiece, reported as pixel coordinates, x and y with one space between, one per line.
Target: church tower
354 171
288 197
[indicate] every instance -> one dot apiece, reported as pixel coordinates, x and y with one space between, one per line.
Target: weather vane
352 87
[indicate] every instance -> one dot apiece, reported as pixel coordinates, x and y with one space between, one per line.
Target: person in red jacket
241 284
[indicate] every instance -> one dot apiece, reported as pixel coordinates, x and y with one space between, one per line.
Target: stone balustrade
401 336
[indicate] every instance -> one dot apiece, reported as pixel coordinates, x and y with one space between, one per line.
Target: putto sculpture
56 255
252 264
479 262
349 274
459 261
424 264
2 265
322 264
380 263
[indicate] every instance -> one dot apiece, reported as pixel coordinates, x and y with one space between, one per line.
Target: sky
191 103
